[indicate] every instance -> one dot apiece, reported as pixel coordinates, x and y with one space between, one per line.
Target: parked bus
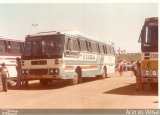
149 48
65 55
10 49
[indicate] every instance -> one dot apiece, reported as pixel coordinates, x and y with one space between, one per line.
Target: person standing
139 85
4 73
121 69
18 68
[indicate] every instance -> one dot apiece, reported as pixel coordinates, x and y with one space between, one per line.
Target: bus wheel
44 82
104 73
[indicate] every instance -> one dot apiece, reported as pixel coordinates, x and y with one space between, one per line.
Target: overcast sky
120 23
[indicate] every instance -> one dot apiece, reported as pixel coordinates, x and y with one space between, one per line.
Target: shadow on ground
131 90
57 84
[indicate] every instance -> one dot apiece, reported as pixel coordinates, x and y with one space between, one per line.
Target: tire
104 73
44 82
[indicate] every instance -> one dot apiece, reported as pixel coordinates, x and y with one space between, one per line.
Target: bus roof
70 33
10 39
152 19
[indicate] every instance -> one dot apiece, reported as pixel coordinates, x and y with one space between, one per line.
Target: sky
119 23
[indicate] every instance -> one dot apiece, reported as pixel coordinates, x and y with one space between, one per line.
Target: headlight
27 72
154 73
147 73
51 71
23 71
56 70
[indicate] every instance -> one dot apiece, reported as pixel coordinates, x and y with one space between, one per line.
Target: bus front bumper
150 80
38 77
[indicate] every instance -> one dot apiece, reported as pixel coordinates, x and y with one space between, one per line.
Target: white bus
10 49
65 55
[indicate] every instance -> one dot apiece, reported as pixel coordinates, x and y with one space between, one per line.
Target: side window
28 46
69 44
22 47
112 50
104 49
2 46
88 45
14 47
98 48
83 45
72 44
108 50
101 48
94 47
79 45
75 45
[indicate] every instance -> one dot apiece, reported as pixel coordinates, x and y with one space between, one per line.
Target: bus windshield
149 39
48 46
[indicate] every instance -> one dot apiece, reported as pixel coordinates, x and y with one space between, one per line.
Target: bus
149 47
10 49
65 55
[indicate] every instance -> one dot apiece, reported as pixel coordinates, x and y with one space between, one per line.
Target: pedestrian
4 73
121 69
18 68
132 68
139 85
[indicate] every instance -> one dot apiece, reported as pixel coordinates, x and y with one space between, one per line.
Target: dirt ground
114 92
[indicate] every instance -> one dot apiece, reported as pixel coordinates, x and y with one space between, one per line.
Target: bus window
94 47
22 47
28 47
75 45
101 49
83 45
112 50
98 48
88 45
79 46
69 44
105 50
72 44
2 47
108 50
14 47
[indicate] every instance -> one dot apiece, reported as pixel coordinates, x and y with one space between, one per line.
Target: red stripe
8 54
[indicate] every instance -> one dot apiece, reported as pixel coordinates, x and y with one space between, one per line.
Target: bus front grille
38 71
